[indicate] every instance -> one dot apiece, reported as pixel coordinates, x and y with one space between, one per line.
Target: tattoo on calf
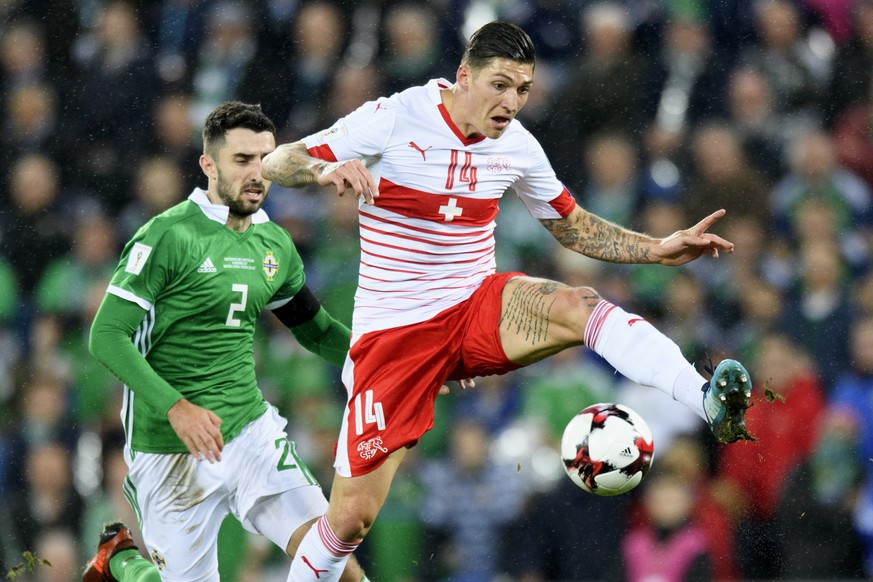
527 311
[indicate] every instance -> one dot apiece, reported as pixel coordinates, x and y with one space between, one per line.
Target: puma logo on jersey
414 146
207 267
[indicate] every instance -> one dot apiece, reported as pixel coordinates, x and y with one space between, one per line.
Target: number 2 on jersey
467 173
372 413
234 307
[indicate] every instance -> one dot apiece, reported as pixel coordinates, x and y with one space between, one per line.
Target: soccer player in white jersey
177 326
430 305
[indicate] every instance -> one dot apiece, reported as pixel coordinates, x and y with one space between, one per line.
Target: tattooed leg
540 317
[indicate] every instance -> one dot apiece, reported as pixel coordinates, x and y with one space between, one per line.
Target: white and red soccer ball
607 449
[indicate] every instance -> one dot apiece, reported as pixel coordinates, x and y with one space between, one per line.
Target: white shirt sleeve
363 132
539 188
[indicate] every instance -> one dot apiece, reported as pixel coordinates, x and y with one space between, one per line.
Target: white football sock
321 555
643 354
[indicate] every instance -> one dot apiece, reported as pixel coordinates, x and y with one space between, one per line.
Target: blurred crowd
654 113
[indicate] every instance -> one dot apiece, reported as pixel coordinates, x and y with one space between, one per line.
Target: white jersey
428 242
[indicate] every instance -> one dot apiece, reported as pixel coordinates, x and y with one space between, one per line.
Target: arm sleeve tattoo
594 237
290 165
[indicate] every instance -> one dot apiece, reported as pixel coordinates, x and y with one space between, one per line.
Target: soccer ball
607 449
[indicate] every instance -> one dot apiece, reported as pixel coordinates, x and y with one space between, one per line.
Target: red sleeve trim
564 203
322 152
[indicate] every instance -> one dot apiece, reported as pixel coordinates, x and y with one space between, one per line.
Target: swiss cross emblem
369 448
451 210
271 266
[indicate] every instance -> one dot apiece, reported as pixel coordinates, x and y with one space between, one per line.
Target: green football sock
130 566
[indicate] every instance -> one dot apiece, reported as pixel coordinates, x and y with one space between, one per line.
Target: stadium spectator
30 125
852 69
787 431
23 56
817 503
179 26
228 51
310 57
43 501
818 310
668 544
35 221
157 185
795 71
173 134
63 288
851 395
761 130
412 53
601 95
689 459
815 174
114 85
612 187
852 138
684 80
722 172
467 499
537 546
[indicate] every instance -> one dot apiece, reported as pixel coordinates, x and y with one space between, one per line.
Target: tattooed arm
290 165
592 236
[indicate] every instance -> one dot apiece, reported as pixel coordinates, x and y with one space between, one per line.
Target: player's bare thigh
539 317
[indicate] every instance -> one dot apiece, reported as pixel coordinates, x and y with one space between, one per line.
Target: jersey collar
436 85
220 212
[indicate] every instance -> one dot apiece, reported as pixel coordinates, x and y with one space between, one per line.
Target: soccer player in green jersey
176 326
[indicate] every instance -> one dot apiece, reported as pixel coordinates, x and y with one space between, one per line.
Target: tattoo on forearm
291 166
597 238
528 309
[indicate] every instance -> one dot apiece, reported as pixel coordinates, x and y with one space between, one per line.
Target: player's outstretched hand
198 429
348 175
686 245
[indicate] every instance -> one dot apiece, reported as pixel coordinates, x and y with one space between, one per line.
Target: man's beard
236 205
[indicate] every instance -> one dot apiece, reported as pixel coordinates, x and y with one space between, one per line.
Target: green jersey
203 286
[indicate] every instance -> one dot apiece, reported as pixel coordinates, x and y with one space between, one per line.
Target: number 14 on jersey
371 412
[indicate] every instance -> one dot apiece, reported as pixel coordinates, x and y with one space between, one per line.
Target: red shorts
395 375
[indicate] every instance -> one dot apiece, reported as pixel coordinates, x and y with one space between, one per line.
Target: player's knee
577 303
352 524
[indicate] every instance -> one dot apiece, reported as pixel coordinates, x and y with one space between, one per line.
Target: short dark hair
498 40
232 115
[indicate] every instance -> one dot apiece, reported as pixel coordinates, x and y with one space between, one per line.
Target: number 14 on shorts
371 412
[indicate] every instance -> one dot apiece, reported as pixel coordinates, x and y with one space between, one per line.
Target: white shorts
181 502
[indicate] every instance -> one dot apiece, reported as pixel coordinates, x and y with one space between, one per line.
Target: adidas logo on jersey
207 267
